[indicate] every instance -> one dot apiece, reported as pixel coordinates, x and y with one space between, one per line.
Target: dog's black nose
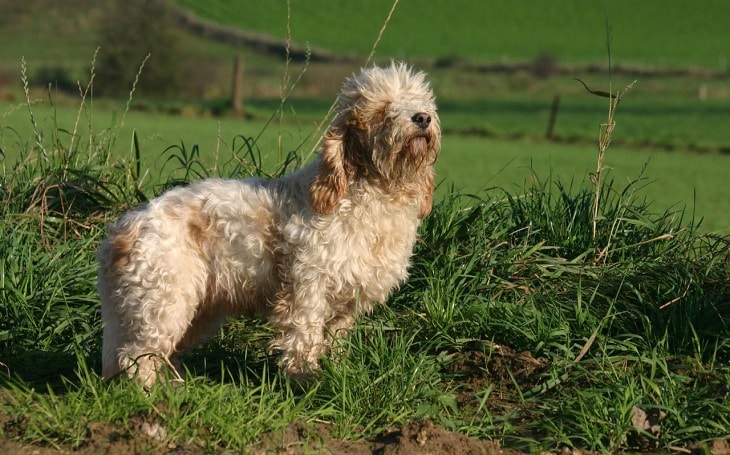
422 120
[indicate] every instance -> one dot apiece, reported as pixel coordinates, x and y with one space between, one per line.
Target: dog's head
386 131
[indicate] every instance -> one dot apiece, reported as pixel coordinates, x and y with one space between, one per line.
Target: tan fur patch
122 244
427 204
330 183
198 229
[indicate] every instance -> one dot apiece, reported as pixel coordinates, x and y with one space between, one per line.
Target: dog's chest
363 248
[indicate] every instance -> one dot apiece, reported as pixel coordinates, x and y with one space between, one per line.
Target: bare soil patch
417 438
422 437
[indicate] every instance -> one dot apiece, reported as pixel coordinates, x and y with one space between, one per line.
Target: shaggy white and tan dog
310 250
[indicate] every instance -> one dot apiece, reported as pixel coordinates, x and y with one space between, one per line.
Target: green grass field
674 180
653 32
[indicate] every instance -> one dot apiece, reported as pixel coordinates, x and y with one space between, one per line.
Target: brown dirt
417 438
497 367
420 438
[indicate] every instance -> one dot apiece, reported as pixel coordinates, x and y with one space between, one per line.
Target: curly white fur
310 250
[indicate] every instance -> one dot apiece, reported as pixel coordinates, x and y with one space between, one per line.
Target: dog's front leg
301 316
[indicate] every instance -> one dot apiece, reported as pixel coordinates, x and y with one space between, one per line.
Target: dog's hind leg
144 321
111 343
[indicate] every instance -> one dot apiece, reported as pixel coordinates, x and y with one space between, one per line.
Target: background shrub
128 32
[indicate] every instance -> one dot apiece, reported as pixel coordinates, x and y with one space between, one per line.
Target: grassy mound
557 315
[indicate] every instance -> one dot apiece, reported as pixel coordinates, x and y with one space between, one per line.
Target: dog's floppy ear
330 183
427 203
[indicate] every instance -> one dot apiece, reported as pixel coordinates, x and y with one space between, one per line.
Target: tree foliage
128 32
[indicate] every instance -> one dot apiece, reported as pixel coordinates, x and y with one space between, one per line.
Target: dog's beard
417 147
409 156
415 152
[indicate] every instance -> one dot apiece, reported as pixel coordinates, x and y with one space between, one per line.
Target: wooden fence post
554 109
237 88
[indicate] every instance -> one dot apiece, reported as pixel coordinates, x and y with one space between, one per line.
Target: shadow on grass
44 370
238 355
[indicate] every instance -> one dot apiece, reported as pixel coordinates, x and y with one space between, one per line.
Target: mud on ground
417 438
